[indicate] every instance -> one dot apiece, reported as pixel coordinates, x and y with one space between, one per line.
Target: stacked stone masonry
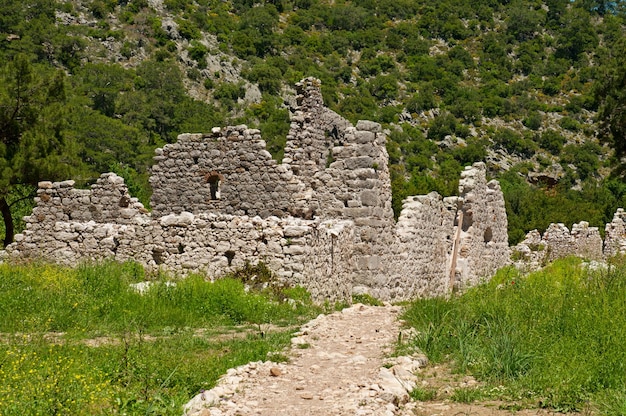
583 241
321 219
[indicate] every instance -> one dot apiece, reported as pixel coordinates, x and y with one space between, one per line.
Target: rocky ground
340 365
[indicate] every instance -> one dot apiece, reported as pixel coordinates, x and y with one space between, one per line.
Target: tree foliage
445 68
33 143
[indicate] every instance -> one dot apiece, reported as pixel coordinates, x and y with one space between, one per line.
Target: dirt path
338 366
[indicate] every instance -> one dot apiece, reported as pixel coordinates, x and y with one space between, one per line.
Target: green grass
423 394
554 338
81 342
366 299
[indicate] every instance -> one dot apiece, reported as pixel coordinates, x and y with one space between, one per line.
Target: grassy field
83 342
555 338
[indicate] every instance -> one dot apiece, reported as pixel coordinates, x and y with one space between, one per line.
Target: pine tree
32 124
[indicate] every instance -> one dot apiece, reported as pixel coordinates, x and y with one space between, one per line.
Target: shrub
384 87
187 29
422 100
513 142
533 121
441 126
569 123
198 52
552 141
584 157
228 93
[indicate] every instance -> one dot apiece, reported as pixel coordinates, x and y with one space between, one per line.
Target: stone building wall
314 131
314 254
227 171
615 235
322 218
418 260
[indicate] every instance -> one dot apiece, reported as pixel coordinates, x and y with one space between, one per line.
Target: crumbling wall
558 242
107 201
314 254
483 239
228 171
314 131
615 235
322 219
418 261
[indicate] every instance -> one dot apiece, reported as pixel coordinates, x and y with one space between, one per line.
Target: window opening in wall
467 221
158 255
124 201
214 179
230 255
488 235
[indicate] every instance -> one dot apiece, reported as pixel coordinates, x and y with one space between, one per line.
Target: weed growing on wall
552 339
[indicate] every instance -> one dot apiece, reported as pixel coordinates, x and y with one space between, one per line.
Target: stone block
367 125
369 198
359 162
363 137
295 250
295 231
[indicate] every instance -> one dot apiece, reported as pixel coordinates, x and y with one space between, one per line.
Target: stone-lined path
337 367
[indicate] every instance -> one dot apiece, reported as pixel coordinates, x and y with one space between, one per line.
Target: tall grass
83 342
98 298
555 337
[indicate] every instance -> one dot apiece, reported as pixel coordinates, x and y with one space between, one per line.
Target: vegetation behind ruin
532 88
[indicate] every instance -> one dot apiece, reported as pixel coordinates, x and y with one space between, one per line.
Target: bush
441 126
514 143
584 157
422 100
552 141
187 29
267 77
198 52
533 121
228 93
384 87
569 123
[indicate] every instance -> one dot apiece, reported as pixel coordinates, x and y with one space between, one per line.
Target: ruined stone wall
322 218
107 201
558 242
615 235
314 131
314 254
228 171
417 263
483 239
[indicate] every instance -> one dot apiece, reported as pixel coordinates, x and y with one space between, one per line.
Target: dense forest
535 89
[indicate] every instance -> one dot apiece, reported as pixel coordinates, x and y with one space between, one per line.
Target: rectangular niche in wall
214 179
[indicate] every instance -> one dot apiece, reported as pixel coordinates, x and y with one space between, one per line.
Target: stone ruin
321 219
583 241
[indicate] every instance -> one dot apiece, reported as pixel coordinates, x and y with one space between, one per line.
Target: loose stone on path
337 367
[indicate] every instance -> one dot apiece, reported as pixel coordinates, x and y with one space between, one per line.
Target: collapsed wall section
314 254
615 235
314 131
418 260
228 171
558 242
483 245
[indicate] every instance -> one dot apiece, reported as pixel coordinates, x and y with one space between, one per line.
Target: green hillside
534 89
